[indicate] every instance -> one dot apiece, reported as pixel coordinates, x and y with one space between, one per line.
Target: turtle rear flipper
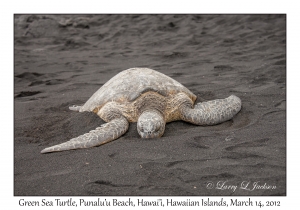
75 108
101 135
212 112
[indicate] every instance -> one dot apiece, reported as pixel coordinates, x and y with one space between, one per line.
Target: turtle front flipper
212 112
101 135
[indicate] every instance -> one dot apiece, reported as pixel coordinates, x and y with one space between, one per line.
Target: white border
154 6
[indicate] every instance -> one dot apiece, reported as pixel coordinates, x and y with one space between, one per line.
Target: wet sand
61 60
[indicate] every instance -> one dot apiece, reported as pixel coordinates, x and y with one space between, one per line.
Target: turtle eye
157 126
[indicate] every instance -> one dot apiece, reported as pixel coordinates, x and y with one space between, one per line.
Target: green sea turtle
149 98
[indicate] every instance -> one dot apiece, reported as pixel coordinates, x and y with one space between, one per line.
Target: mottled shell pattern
128 85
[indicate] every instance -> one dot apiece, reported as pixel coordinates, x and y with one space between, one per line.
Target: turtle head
151 124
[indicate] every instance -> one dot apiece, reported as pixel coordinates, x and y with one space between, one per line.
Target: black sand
61 60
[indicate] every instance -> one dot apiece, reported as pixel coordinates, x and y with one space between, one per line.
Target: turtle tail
101 135
212 112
